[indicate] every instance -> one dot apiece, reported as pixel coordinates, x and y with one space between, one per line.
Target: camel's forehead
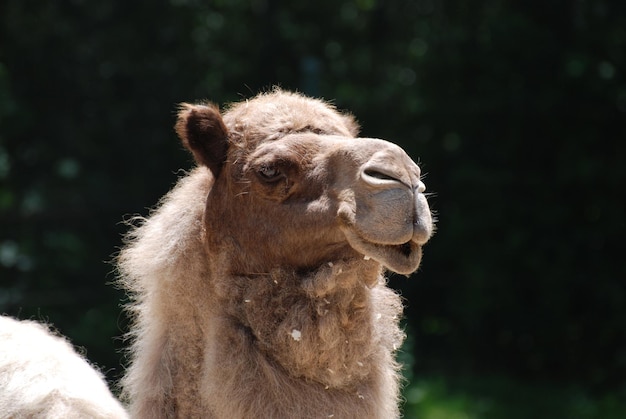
348 147
273 115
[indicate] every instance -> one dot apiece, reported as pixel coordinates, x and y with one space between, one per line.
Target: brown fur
257 285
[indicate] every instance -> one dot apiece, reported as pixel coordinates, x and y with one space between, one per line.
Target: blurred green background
515 110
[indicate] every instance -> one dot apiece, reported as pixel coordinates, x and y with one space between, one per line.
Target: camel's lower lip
400 258
403 258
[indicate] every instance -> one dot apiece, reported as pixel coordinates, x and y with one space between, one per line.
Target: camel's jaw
400 258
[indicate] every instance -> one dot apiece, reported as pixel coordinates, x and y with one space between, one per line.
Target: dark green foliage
517 112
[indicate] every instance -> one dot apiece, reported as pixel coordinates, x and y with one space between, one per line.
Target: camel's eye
269 173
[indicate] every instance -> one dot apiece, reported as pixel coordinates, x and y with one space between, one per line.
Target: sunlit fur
41 376
246 298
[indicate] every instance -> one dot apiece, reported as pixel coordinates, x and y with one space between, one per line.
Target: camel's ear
202 131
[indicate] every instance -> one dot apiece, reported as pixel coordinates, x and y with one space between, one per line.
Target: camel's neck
318 325
333 329
168 350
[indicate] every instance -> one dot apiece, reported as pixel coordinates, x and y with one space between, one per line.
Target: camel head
294 186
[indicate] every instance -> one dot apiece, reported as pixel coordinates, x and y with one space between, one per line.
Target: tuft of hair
42 376
277 113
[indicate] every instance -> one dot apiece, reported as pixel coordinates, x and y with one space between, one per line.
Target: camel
42 376
257 287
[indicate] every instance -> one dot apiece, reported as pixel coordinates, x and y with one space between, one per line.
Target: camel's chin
402 258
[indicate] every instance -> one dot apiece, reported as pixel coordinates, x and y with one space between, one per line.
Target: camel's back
41 376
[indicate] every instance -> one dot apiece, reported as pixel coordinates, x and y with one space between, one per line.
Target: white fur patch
296 335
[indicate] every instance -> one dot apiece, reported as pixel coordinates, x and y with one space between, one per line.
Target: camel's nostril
379 175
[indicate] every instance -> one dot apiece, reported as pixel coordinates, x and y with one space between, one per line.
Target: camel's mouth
405 248
407 257
400 258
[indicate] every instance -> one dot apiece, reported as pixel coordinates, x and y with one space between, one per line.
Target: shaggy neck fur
278 344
